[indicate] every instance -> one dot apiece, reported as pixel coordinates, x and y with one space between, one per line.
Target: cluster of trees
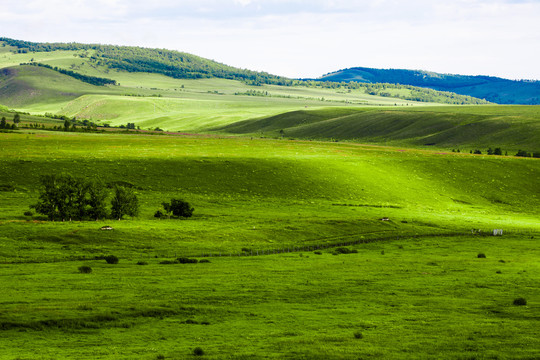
65 197
498 151
94 80
524 153
253 93
4 124
176 207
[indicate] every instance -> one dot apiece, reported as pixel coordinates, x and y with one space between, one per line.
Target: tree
3 123
497 151
67 123
124 202
70 198
178 208
16 119
59 198
95 201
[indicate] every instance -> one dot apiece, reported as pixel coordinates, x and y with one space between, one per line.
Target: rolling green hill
493 89
297 255
510 127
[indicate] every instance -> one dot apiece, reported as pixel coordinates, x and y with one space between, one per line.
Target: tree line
93 80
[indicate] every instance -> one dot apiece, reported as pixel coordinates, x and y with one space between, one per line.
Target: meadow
328 223
274 218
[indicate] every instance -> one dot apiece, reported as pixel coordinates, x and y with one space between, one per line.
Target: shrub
204 261
183 260
85 269
160 357
481 256
28 213
198 351
168 262
317 253
342 250
520 301
158 214
142 263
358 335
111 259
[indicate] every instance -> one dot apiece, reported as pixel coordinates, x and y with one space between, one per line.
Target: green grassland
276 204
510 127
414 289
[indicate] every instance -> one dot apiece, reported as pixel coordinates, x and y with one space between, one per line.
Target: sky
302 38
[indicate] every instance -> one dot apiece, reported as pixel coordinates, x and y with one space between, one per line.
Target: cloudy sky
302 38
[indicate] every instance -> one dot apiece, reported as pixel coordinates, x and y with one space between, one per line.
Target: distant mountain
492 89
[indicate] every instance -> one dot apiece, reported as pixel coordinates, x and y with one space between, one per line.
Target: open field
468 127
378 246
414 289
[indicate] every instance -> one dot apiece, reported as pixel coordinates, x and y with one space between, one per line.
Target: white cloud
301 38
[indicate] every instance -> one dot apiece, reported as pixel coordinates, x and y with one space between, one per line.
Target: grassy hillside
510 127
410 294
493 89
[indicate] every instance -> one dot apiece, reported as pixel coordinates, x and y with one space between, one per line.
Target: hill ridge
491 88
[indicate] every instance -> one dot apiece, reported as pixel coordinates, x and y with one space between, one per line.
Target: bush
85 269
168 262
198 351
28 213
520 301
111 259
184 260
142 263
344 250
158 214
358 335
178 208
317 253
204 261
481 256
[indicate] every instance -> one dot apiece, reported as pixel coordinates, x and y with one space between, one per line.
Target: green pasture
431 298
414 288
466 127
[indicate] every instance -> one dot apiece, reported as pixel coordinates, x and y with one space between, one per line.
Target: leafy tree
477 152
497 151
67 124
58 198
95 201
124 202
3 123
16 119
70 198
178 208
